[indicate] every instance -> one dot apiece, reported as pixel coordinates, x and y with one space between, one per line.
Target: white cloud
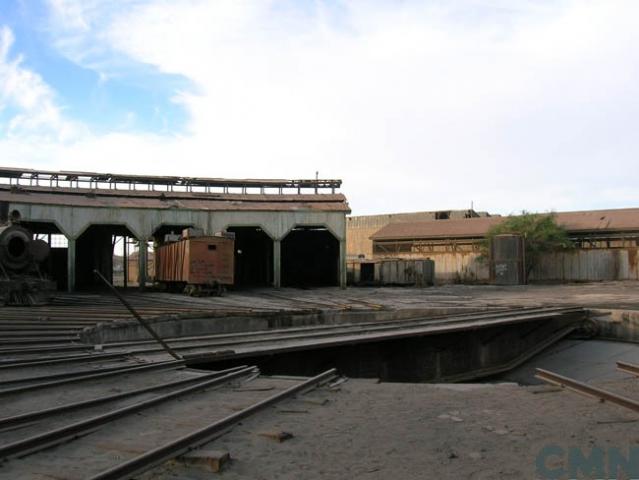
34 113
417 105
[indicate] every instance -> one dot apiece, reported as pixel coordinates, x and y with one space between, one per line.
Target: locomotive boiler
21 279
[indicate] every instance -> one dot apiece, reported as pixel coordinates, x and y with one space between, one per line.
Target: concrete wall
142 222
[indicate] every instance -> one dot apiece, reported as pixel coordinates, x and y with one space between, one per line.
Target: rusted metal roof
463 228
620 220
172 200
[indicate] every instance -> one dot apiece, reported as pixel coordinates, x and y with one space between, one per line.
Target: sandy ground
583 360
368 430
419 431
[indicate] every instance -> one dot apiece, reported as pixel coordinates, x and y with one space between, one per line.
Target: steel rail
66 347
342 331
630 368
122 371
312 343
60 347
36 414
585 389
96 357
431 320
195 439
387 323
54 437
26 334
137 316
63 375
283 334
38 341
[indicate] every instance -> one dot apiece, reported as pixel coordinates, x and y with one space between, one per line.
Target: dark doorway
95 249
367 273
310 258
253 257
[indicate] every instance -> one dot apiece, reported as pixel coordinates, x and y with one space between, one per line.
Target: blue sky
138 99
416 105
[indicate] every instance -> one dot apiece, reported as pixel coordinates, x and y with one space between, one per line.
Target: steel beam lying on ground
193 440
630 368
588 390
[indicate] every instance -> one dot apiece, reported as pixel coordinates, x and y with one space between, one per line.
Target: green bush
540 232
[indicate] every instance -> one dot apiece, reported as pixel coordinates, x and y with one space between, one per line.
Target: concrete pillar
142 263
71 265
277 263
341 267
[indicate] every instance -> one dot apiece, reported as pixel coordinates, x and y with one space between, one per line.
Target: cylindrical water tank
507 260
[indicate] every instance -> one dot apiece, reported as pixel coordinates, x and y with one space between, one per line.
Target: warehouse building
605 247
359 229
287 232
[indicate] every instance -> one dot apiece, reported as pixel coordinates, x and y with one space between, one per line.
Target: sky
505 105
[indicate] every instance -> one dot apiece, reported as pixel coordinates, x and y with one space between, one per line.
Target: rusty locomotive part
197 265
21 281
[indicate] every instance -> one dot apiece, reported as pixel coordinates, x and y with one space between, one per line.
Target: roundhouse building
287 232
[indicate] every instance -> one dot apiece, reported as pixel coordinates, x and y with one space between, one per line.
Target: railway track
31 439
600 394
244 343
327 335
65 400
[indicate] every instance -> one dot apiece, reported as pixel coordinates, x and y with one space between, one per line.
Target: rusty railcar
200 266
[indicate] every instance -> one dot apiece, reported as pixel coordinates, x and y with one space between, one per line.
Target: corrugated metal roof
620 220
177 200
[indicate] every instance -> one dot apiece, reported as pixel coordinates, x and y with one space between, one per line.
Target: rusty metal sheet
620 220
197 261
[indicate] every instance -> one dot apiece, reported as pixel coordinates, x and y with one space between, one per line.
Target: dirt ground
363 429
369 430
366 430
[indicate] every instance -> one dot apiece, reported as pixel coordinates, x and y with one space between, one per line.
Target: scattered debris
254 389
278 436
547 390
209 460
447 416
316 401
608 422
